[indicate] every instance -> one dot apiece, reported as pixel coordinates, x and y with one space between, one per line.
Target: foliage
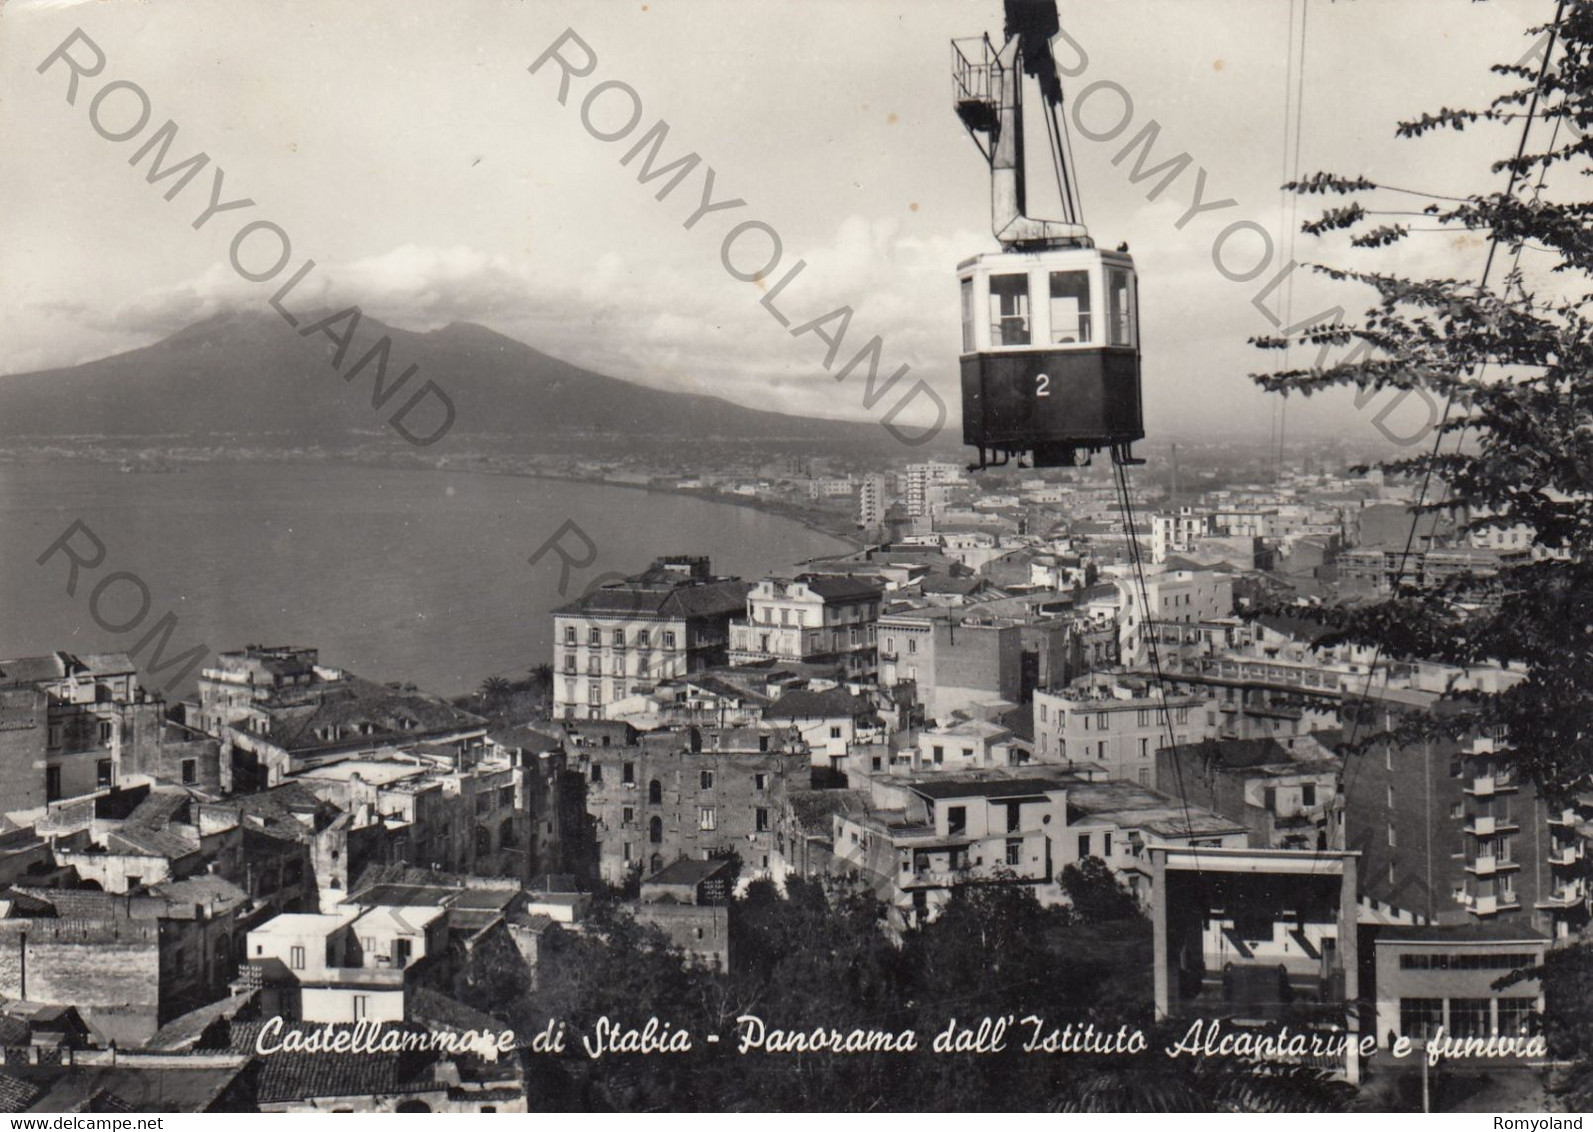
1512 363
817 956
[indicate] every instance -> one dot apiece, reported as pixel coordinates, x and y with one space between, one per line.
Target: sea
421 576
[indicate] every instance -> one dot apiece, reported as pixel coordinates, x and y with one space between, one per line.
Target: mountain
252 375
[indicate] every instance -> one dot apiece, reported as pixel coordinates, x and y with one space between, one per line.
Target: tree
1095 893
1512 364
494 689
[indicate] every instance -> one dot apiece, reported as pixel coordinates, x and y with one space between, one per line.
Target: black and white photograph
790 556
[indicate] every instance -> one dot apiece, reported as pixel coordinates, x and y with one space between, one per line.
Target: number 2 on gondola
1042 385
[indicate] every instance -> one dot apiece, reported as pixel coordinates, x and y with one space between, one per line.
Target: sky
409 151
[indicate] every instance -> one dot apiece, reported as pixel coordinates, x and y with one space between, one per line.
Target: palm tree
493 689
541 675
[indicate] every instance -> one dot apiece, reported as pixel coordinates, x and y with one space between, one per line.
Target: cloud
687 326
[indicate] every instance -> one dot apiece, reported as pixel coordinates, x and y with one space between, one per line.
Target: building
1432 977
810 619
954 661
128 963
621 639
829 722
1450 833
871 502
1117 722
69 722
696 793
277 711
1256 935
919 480
1283 796
923 839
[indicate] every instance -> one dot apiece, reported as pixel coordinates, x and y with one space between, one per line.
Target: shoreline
176 463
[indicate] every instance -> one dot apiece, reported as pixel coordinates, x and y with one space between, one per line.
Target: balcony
1562 896
1480 826
1566 854
1487 785
1488 866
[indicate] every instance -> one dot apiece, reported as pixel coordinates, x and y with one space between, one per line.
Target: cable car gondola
1050 324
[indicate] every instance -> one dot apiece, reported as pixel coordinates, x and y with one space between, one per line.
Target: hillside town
1008 680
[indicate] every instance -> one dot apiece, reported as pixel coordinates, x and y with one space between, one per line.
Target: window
569 634
1084 845
1515 1016
912 644
597 774
1042 712
1106 844
296 958
956 818
655 832
619 638
707 818
669 639
594 636
625 851
107 732
939 754
1420 1017
1144 748
55 736
1120 306
1014 815
1009 310
1014 851
1070 306
627 815
967 316
1144 717
1308 794
52 784
835 732
760 781
707 779
655 793
594 693
102 772
1470 1017
628 774
1144 776
1100 721
761 819
506 795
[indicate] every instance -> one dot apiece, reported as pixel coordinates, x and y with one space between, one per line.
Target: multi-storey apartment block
622 639
811 619
1116 722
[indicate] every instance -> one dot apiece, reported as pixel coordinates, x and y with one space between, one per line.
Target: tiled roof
16 1095
985 788
835 588
296 1076
723 598
814 808
389 713
831 703
184 1032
